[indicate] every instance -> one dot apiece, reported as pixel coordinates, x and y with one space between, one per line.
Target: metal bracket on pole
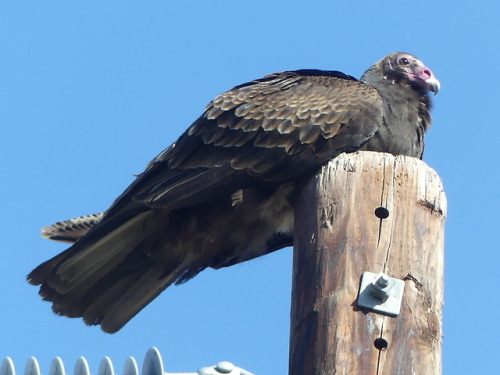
380 293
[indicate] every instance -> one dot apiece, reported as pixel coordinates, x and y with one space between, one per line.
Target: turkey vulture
224 192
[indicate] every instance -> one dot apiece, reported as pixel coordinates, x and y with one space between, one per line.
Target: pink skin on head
424 78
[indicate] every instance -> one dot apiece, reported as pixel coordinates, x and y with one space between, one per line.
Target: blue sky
91 91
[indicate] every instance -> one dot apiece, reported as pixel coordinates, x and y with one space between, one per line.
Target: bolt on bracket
380 293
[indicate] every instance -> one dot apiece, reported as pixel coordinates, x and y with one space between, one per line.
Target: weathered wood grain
338 237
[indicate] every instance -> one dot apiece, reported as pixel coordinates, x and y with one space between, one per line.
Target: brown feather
224 192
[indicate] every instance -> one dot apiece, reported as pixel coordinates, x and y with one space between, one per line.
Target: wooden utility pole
368 212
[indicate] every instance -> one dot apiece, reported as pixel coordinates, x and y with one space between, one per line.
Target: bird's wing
263 133
273 129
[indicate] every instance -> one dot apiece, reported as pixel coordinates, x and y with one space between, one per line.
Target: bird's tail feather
98 259
123 300
110 280
135 298
71 230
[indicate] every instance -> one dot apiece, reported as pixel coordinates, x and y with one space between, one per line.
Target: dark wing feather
254 127
172 222
293 123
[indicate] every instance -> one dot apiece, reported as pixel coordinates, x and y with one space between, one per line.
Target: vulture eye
403 61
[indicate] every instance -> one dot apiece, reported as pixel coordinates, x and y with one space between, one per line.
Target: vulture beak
427 80
433 85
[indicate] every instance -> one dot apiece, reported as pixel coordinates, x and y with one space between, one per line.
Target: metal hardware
380 293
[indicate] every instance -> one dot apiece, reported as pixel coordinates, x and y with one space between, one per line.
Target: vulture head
401 68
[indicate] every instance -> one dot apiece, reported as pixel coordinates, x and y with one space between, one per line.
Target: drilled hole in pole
382 212
380 344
